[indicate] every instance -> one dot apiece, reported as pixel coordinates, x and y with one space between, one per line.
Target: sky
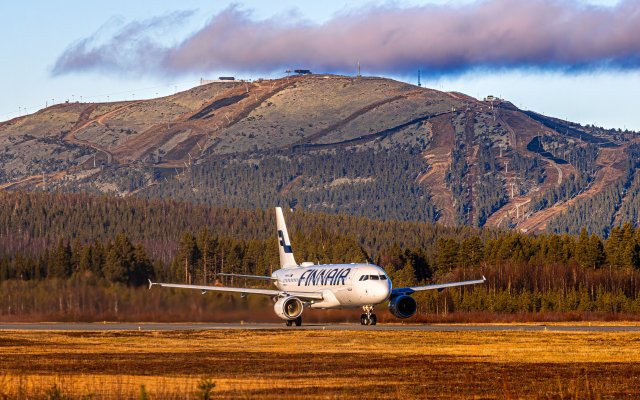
575 59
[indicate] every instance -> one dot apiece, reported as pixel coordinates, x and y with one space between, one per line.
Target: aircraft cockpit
380 277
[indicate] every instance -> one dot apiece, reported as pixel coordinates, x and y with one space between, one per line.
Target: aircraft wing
264 292
268 278
440 286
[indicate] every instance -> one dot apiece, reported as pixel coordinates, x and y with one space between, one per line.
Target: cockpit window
373 277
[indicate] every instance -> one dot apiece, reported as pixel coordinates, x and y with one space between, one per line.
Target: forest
65 255
378 184
600 212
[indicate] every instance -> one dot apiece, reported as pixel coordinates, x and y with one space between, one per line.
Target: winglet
483 278
150 283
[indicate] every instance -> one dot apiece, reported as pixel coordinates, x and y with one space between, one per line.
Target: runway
329 327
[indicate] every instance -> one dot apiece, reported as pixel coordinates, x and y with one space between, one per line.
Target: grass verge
319 364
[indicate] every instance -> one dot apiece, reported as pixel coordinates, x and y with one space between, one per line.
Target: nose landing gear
368 318
297 321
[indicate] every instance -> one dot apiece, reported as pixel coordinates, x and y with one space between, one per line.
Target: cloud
132 49
557 35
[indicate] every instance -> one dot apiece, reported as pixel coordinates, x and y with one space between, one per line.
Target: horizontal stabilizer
269 278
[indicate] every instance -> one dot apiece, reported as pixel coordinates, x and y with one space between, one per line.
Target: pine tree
447 254
98 259
583 246
596 252
114 269
207 245
418 261
86 255
61 266
470 252
391 258
404 276
120 260
613 247
142 269
75 255
186 260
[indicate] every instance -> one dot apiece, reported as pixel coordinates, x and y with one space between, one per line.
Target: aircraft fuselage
341 285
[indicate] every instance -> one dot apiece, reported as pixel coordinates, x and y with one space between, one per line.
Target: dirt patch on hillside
611 162
438 157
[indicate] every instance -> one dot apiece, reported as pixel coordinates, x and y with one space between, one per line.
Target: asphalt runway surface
329 327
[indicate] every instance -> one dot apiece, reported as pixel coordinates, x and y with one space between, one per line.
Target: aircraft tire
298 321
373 320
363 319
289 322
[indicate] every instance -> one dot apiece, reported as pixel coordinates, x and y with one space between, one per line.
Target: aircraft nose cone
387 289
382 291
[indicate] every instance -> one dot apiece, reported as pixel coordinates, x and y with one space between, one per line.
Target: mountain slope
366 146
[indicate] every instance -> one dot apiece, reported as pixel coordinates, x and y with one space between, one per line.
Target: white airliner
326 286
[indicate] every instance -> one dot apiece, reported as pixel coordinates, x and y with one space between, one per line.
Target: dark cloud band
496 34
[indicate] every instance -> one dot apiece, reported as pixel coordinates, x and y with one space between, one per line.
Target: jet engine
403 306
288 308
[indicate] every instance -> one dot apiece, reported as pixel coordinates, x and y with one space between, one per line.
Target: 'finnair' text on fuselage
324 277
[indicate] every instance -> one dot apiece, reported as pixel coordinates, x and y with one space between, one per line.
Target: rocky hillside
365 146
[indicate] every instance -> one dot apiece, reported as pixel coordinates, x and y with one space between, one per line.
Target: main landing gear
368 318
297 321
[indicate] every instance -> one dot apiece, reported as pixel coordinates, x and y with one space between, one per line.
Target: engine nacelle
288 308
403 306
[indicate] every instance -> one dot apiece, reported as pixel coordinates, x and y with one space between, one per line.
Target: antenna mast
419 84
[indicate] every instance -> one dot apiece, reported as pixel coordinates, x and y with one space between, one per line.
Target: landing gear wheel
298 321
289 322
368 318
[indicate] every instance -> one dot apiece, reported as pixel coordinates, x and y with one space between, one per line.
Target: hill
365 146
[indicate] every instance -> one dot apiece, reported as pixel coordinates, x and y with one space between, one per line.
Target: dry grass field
319 364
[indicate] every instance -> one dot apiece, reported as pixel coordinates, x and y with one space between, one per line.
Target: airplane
326 286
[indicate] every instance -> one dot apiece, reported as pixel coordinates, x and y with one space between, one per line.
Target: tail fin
284 245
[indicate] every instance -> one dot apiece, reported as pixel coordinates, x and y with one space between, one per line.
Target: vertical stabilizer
284 245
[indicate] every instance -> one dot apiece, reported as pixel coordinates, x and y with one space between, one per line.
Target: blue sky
36 33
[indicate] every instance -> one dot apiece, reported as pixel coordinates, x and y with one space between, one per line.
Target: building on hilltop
220 79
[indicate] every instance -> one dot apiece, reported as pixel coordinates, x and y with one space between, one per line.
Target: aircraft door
345 293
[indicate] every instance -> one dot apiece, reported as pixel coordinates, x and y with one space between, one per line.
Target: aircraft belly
329 300
344 296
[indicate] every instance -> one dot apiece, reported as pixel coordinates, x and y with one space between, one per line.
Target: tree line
107 242
92 231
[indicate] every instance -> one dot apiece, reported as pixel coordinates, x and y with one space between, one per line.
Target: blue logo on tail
286 247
